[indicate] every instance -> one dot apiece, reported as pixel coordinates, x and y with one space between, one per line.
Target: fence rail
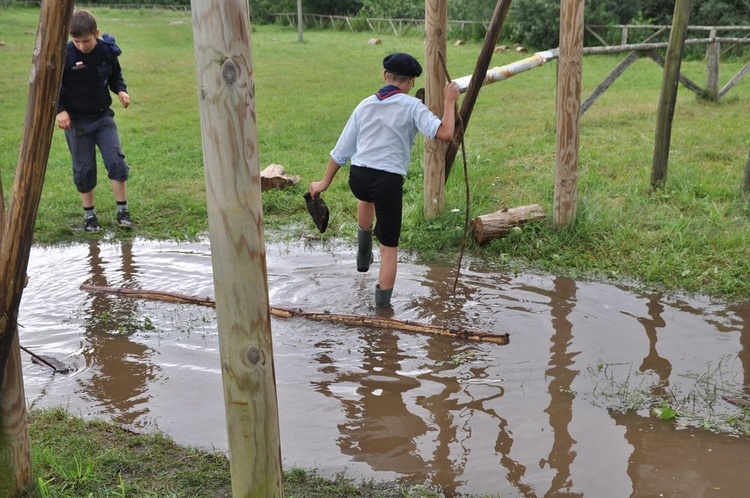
398 27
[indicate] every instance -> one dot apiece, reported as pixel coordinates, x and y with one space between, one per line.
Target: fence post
713 55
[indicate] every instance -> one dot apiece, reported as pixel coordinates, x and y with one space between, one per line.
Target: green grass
73 458
693 235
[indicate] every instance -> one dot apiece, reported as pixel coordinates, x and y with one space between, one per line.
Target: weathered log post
221 32
746 184
436 27
17 235
668 97
568 106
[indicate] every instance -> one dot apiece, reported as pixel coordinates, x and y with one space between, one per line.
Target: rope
459 132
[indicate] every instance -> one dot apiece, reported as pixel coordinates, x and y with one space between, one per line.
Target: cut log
355 320
498 224
274 176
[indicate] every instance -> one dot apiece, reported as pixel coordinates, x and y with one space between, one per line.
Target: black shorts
386 191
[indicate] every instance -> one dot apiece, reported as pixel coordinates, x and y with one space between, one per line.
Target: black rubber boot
364 249
382 296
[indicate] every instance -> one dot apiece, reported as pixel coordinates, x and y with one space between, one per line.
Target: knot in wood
229 71
253 354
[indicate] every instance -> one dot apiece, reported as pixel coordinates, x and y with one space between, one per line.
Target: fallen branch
368 321
498 224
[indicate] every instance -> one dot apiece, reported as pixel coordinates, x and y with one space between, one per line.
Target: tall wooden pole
477 80
226 96
436 26
17 235
668 97
569 71
300 22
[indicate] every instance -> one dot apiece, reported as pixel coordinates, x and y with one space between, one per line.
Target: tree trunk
221 33
492 226
569 69
436 24
17 235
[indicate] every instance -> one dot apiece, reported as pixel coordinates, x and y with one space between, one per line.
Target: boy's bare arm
317 187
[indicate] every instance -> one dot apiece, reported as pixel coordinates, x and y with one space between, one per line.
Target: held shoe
91 224
364 249
123 219
382 296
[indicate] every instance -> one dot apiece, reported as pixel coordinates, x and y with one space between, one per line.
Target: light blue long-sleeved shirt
380 133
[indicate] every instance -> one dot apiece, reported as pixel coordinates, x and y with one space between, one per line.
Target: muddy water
533 418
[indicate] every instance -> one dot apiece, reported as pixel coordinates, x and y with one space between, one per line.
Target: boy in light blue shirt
377 139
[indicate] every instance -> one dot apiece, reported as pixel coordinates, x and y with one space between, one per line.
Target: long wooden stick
354 320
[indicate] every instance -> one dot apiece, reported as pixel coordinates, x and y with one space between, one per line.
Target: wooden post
746 184
221 31
16 238
668 97
713 55
436 28
568 105
300 22
477 80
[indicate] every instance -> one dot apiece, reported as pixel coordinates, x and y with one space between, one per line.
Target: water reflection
121 367
467 417
560 409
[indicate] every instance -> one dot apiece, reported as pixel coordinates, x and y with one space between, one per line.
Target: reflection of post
122 369
743 313
381 431
387 413
445 306
560 409
653 361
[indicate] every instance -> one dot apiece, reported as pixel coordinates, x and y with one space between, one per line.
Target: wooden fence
648 47
399 27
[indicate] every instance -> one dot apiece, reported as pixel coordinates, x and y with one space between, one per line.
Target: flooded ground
533 418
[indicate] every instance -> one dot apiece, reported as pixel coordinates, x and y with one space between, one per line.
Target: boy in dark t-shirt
91 71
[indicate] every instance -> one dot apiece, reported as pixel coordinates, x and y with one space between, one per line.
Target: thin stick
39 358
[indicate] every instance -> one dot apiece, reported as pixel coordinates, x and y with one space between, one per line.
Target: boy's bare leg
120 190
388 264
365 214
87 199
